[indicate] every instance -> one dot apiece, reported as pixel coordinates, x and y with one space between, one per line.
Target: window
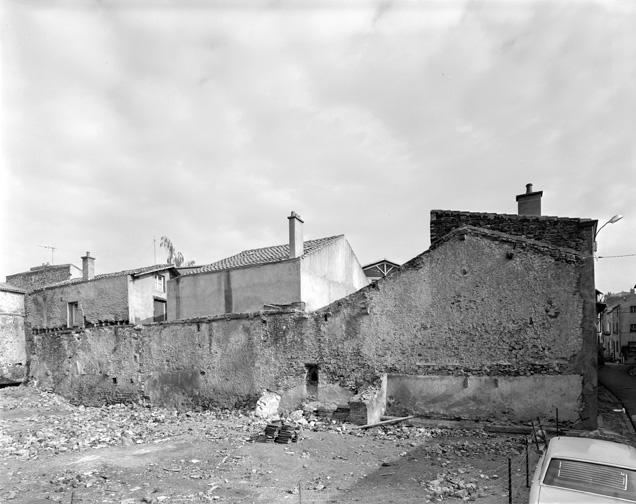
73 314
598 479
632 309
160 311
632 327
160 283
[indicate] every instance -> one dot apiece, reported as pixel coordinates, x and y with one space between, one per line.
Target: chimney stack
530 202
296 246
88 267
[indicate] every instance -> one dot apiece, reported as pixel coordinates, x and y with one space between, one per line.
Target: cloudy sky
209 121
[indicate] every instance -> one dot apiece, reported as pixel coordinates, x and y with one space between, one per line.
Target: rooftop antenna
49 247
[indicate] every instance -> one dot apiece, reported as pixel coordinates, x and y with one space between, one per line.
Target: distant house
379 269
308 274
131 296
47 274
619 325
12 341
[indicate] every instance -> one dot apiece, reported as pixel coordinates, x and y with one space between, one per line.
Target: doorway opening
311 380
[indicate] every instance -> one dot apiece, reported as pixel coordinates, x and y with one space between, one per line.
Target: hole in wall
114 381
202 373
311 379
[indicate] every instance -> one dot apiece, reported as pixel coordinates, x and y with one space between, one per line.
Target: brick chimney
295 235
530 202
88 266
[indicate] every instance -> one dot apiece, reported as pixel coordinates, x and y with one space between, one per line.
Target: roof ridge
72 281
262 255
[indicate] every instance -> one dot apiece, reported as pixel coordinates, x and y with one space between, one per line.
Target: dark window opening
114 381
160 310
311 379
73 314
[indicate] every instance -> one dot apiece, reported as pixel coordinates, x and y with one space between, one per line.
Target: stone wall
577 234
12 337
103 299
46 274
477 304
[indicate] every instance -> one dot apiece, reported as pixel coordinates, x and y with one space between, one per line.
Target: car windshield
594 478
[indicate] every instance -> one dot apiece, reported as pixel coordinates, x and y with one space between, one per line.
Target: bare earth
53 451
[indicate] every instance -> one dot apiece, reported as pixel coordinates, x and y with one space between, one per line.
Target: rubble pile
451 484
71 428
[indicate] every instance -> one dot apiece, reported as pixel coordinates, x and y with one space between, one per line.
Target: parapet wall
572 233
472 306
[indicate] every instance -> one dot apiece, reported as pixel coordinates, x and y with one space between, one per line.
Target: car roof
592 450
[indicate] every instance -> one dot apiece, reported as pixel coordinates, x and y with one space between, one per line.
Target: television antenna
49 247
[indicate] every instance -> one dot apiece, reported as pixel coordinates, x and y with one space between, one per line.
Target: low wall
515 398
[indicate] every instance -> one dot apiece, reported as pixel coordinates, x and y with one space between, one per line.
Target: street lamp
612 220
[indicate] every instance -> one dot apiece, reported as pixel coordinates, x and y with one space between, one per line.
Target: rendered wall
104 299
329 274
475 305
12 337
513 398
234 291
142 293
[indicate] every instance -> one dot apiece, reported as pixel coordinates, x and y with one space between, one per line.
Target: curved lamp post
612 220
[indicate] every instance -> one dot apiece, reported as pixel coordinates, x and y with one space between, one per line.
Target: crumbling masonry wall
104 299
12 337
478 304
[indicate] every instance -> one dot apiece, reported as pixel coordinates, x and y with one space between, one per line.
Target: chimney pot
530 202
88 266
296 245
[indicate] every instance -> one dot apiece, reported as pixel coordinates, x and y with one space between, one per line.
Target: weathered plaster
99 299
245 289
12 337
475 305
330 273
144 291
514 398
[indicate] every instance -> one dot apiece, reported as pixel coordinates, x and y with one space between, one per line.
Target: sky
210 121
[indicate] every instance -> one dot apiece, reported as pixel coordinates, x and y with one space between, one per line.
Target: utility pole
49 247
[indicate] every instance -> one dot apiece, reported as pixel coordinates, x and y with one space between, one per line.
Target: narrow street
617 379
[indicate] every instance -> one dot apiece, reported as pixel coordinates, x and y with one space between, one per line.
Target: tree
174 256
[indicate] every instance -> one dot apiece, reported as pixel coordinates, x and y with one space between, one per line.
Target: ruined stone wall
577 234
12 337
474 305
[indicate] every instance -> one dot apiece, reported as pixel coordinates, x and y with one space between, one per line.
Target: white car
580 470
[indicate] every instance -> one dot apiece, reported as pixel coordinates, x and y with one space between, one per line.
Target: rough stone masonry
479 303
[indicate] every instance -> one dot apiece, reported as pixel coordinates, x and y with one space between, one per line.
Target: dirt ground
52 451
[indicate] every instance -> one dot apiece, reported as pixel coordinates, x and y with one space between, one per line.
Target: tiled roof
10 288
265 255
133 272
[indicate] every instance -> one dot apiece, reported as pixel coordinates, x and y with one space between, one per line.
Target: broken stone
267 405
